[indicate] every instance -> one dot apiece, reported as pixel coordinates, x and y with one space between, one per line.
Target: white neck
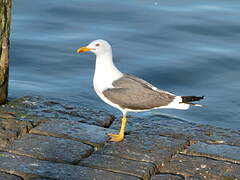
105 71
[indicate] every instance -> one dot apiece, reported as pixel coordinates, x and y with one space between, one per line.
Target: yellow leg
120 136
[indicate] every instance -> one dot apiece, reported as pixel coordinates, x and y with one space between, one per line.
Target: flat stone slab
146 148
191 167
119 165
5 176
37 178
60 109
215 151
29 167
179 129
166 177
50 148
89 134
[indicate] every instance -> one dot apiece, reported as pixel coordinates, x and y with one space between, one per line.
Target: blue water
186 47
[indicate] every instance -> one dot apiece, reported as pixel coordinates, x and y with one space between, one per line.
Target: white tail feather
177 104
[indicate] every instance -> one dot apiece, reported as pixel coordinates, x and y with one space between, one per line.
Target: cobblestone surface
27 167
30 106
215 151
166 177
89 134
202 168
146 148
5 176
155 148
116 164
50 148
11 129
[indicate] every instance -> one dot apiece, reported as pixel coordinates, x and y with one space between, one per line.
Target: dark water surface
187 47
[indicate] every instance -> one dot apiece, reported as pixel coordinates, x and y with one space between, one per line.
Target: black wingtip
187 99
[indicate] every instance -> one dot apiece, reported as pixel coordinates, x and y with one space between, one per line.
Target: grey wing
127 79
133 94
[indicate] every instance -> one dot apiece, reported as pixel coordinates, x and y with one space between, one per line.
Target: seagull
126 92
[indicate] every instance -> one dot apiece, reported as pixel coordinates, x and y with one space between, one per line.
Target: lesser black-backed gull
126 92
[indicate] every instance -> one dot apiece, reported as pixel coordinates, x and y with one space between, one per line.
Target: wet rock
89 134
150 143
116 164
5 176
59 109
146 148
11 129
192 167
195 178
29 167
215 151
50 148
179 129
7 115
3 140
38 178
166 177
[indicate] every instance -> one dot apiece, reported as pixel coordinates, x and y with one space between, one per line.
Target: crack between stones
156 167
93 149
22 132
167 161
111 122
174 174
115 155
151 171
45 159
112 170
12 174
211 158
220 142
94 145
25 176
191 142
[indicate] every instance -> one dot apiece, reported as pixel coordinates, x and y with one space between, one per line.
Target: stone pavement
156 148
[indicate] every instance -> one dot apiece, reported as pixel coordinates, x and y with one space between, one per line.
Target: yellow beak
83 49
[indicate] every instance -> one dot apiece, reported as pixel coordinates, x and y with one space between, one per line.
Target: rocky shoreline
47 139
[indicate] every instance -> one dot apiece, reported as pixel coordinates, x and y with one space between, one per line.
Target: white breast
104 75
100 85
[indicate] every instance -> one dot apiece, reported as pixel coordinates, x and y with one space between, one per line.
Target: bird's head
98 47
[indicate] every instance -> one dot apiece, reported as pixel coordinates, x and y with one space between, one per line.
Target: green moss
229 178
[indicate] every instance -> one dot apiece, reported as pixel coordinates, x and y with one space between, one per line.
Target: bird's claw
115 137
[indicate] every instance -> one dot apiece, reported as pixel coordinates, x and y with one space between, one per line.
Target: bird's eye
97 44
